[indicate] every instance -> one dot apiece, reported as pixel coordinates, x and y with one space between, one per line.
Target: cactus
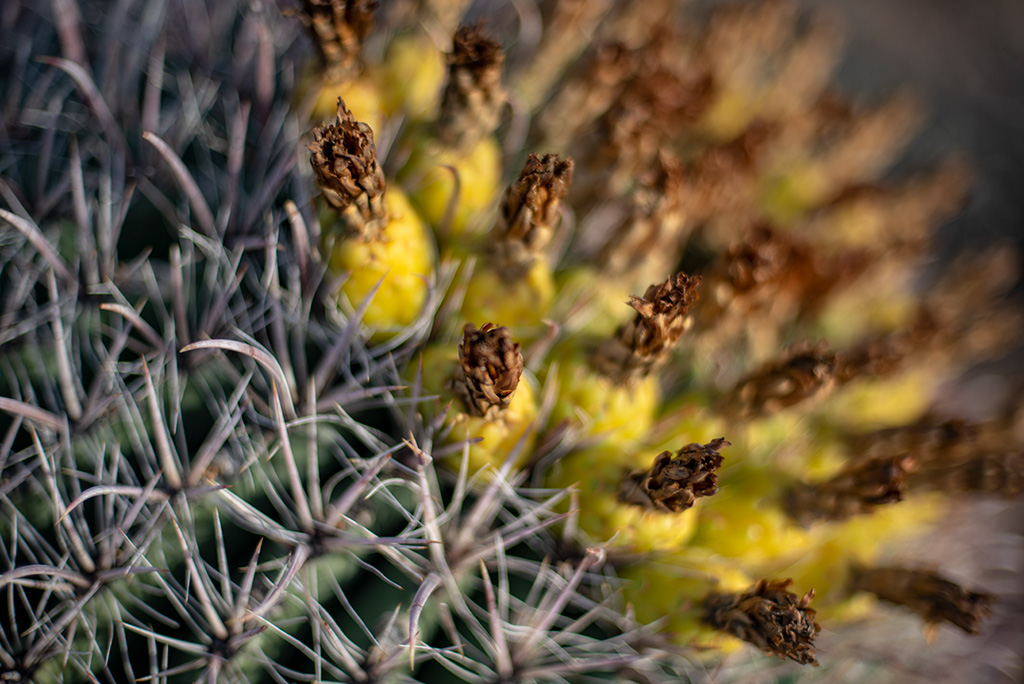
261 420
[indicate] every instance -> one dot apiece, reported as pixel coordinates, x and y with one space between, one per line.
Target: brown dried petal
768 616
674 483
929 594
474 96
339 28
801 374
530 210
490 367
856 490
344 161
661 319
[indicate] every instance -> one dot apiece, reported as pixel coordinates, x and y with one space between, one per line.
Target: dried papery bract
490 365
769 616
344 160
474 95
803 372
339 28
858 489
935 598
529 214
674 482
662 316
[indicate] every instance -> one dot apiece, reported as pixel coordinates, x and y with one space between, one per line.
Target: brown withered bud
490 365
748 275
882 355
929 594
723 178
931 439
675 481
652 237
662 316
589 90
858 489
769 616
622 144
803 372
529 214
339 28
474 95
993 472
568 26
344 161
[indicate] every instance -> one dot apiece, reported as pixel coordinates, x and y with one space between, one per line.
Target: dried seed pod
769 616
804 372
490 366
474 95
674 482
858 489
339 28
529 214
662 316
929 594
344 161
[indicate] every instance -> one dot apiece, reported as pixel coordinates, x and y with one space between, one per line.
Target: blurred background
966 59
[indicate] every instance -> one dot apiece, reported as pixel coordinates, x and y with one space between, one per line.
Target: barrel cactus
261 418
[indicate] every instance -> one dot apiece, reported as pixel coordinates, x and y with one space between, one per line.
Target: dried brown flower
589 90
344 161
529 212
339 28
474 95
985 471
675 482
662 316
884 354
929 594
931 439
803 372
490 365
770 617
858 489
652 237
